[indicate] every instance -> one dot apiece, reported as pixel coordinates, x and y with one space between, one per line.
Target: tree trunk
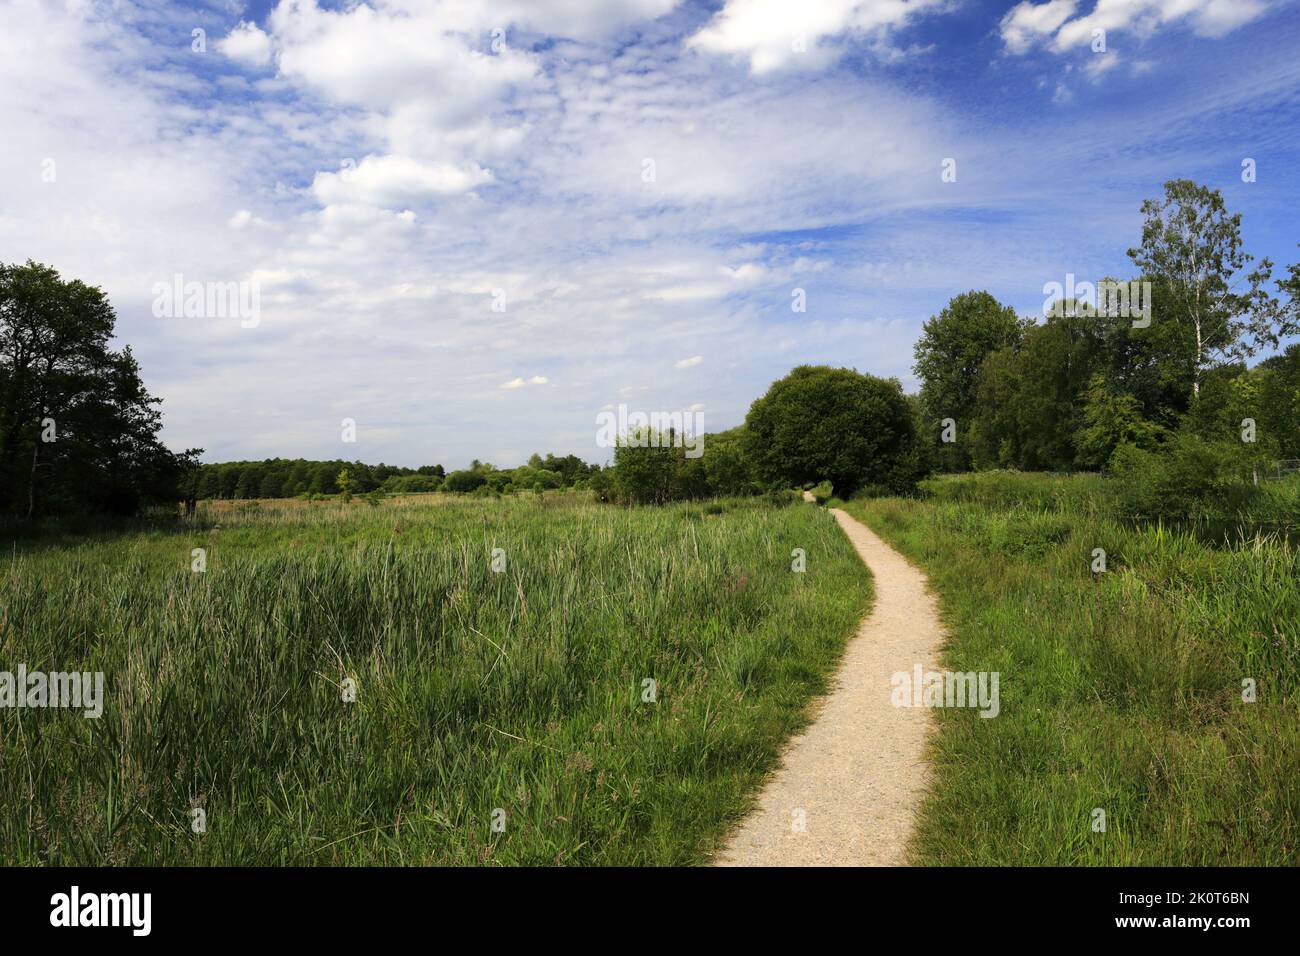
31 480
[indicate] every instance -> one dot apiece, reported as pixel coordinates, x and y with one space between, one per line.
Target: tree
78 429
1112 419
464 481
645 466
347 484
836 424
949 355
1191 247
726 465
1029 398
1278 406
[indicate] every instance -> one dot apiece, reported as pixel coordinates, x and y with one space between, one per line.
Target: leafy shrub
463 481
1188 478
821 423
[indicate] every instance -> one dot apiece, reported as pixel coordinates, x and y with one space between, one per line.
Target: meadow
1122 690
500 717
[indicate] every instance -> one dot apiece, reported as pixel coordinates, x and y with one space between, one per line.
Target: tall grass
1120 691
477 691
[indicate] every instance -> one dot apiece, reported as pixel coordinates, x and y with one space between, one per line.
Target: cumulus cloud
777 33
691 362
247 44
396 181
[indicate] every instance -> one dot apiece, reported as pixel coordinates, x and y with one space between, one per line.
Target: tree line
1146 377
293 478
1166 389
1082 386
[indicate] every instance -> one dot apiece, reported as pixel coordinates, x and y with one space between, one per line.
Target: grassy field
475 691
1120 691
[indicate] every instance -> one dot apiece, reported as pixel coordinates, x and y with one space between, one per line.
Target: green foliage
1078 494
838 425
1188 477
464 481
1029 396
647 464
346 484
412 484
1070 392
78 430
1276 404
949 355
727 469
1192 246
1110 420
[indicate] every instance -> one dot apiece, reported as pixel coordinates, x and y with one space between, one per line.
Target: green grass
475 690
1120 691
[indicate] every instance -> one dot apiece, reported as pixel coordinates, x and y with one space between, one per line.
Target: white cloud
383 57
580 19
396 181
779 33
1100 63
691 362
247 44
524 383
1029 23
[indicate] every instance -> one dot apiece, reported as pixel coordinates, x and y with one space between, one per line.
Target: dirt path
858 772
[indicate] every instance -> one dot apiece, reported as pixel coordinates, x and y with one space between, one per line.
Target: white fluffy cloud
1054 22
1026 23
396 181
776 33
247 44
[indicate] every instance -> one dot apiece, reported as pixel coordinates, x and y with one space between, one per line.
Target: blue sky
384 173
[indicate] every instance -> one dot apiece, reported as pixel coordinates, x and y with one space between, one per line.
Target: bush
463 481
651 467
833 424
1188 478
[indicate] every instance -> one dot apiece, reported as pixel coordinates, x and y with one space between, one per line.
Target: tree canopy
949 355
78 429
834 424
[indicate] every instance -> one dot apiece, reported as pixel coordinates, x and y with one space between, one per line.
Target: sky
470 227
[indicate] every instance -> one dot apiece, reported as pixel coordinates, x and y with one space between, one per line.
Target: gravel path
855 777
